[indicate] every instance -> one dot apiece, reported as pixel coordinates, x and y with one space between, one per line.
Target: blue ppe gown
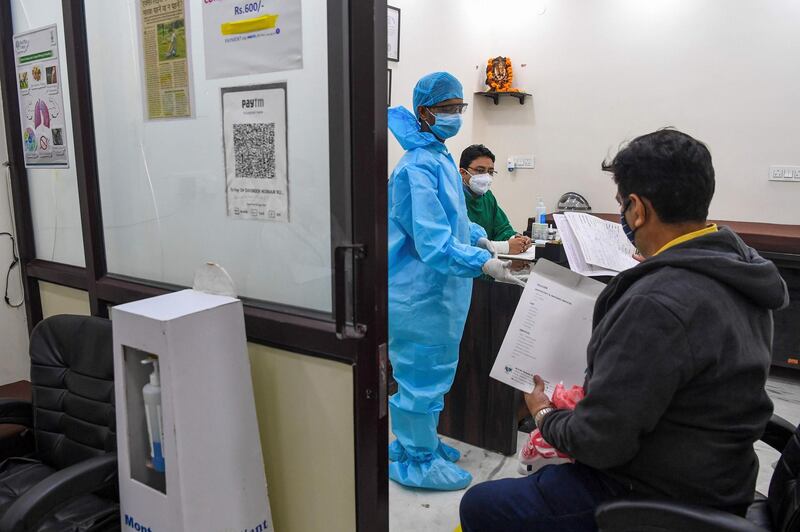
432 260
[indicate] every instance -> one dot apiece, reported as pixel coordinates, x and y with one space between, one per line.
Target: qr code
254 150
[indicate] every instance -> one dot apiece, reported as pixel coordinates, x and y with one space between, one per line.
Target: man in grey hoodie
676 365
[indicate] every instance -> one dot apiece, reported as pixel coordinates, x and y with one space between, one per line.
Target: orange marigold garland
500 74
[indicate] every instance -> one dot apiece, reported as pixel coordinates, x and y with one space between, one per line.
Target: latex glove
488 245
500 270
519 265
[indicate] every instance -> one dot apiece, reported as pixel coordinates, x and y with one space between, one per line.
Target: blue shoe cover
451 454
434 474
397 452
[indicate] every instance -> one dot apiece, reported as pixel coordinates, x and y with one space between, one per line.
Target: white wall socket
524 161
784 173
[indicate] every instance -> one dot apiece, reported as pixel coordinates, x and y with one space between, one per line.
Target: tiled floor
426 511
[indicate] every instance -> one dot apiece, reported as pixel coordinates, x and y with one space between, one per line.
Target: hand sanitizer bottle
155 426
541 212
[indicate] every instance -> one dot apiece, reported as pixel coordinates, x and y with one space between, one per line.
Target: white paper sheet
244 38
603 243
529 256
550 330
577 262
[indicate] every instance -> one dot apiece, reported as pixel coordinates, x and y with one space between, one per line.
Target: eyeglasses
481 170
453 108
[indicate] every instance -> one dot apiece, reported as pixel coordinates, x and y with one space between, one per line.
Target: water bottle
541 212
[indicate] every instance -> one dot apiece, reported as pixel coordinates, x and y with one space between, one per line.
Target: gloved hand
500 270
488 245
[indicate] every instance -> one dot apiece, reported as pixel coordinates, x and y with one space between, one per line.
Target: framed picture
393 33
389 87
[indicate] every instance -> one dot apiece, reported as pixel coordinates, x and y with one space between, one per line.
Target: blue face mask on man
629 231
446 125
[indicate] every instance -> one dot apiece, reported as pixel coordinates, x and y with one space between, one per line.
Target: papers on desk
594 246
528 256
550 330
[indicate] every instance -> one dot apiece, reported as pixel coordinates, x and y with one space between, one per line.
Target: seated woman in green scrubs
477 171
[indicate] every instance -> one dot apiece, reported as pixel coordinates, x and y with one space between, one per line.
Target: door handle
345 328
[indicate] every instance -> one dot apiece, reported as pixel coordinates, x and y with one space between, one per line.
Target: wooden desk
479 410
780 244
482 412
15 440
766 238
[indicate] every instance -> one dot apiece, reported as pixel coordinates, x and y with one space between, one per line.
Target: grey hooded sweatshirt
677 362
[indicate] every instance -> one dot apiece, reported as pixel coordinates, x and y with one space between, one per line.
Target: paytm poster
41 102
254 138
253 37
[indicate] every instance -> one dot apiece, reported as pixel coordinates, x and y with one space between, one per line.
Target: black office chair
778 512
70 482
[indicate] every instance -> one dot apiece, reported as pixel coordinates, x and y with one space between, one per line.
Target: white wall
601 72
14 359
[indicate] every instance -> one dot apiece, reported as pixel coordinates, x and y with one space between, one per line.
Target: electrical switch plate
524 161
784 173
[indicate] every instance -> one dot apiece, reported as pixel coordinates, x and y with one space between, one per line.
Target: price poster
252 37
41 102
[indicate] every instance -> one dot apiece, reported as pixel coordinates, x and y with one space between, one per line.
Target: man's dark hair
473 152
669 168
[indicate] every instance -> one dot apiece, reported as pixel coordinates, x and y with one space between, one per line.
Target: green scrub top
484 211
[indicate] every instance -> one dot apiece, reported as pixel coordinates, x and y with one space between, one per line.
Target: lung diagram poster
41 102
255 145
255 37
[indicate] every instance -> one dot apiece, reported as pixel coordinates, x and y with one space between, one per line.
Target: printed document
577 262
603 243
550 330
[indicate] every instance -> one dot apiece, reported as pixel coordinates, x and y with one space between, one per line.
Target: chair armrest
16 412
778 433
632 515
73 481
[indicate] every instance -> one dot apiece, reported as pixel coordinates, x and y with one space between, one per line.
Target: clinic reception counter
479 410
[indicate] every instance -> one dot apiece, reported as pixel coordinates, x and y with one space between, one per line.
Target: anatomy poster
254 139
41 102
252 37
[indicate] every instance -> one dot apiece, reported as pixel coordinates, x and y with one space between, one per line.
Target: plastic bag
537 453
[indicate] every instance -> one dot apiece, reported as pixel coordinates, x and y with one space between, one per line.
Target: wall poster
41 102
165 58
252 37
255 146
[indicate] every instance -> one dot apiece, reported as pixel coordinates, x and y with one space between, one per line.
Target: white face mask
480 183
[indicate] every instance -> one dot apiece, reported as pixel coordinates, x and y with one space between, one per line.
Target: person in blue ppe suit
434 252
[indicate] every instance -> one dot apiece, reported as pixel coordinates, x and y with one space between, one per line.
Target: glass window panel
162 182
55 208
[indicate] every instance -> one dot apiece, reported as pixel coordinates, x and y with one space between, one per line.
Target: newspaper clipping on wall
255 145
165 58
41 102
